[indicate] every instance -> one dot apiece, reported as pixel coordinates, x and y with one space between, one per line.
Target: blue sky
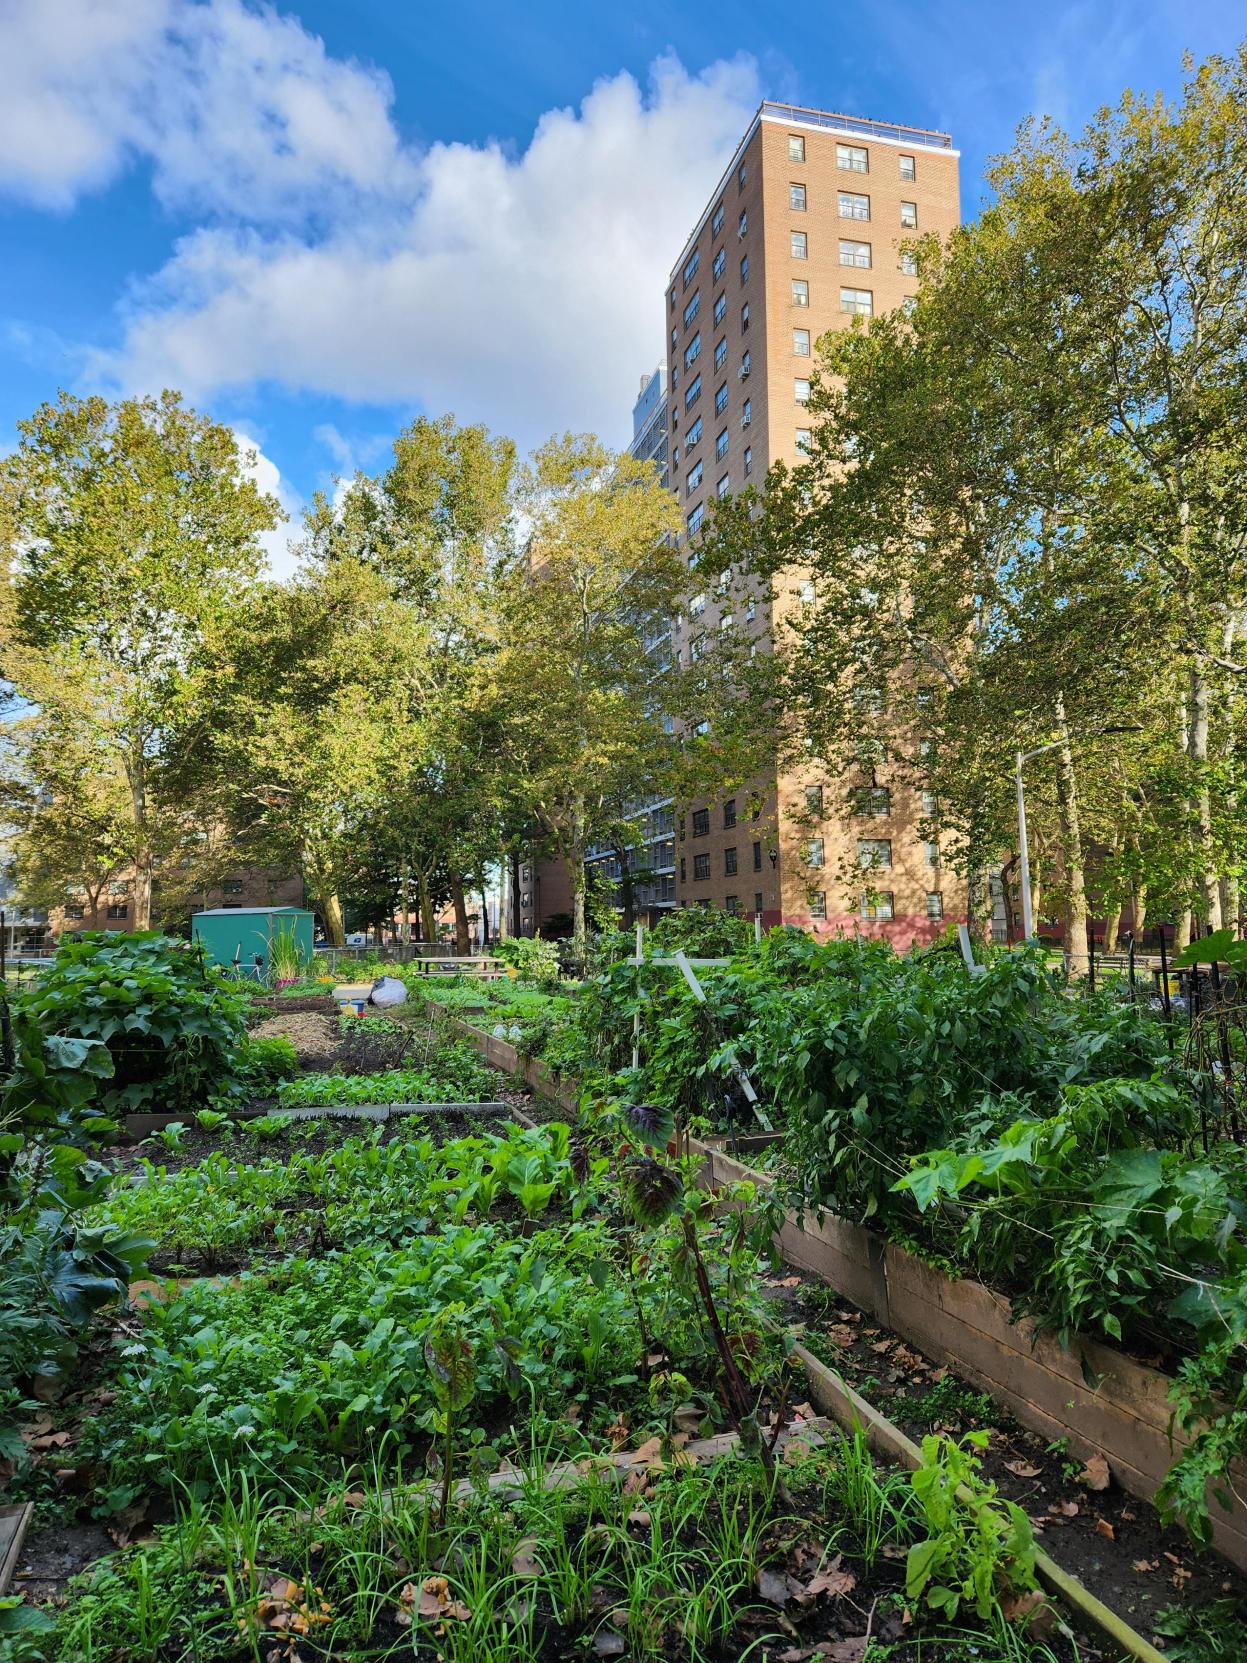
320 218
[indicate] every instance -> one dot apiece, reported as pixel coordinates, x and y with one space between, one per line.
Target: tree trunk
404 881
1138 914
515 892
136 773
1112 930
576 873
331 914
463 942
1231 916
484 919
1071 837
1201 807
428 917
1182 932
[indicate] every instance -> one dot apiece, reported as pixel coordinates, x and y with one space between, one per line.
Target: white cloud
238 110
521 290
277 544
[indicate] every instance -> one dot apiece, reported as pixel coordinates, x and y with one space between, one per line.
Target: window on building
675 336
815 852
720 260
731 904
721 444
673 300
801 342
805 591
75 910
741 175
744 268
692 392
874 852
800 292
721 485
854 157
118 909
748 460
692 309
757 857
697 647
796 147
744 317
697 606
690 266
692 350
931 852
700 730
803 438
909 168
701 868
853 206
801 390
720 308
909 263
876 905
814 801
924 698
799 243
796 198
746 415
694 477
746 364
683 870
701 822
742 224
861 302
695 519
675 377
729 863
757 900
720 353
729 814
232 886
872 801
909 216
854 253
818 903
935 904
716 222
930 804
909 305
869 700
926 749
720 400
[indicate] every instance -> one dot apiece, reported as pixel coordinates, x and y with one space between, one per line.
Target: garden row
337 1326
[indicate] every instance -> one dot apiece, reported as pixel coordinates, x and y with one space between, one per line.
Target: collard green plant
976 1546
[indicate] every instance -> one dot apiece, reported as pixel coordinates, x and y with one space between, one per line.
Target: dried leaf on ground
1104 1528
833 1580
1022 1469
1095 1475
523 1561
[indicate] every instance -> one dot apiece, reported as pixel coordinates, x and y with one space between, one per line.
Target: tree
582 696
311 695
127 531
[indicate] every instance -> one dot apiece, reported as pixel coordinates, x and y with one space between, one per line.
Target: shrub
263 1063
702 932
534 958
170 1021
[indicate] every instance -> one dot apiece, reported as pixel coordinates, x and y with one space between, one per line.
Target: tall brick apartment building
804 233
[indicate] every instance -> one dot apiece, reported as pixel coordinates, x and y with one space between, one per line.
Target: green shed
246 934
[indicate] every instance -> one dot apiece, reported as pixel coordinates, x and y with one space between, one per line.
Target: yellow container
352 997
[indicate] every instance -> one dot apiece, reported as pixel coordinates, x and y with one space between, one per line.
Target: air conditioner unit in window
743 371
745 421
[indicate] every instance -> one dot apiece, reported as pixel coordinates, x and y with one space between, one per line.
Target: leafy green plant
450 1358
168 1019
975 1546
170 1137
454 1074
263 1063
212 1120
265 1127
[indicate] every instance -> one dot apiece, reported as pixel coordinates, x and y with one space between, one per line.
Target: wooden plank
14 1522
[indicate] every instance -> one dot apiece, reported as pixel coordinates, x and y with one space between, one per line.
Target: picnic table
483 965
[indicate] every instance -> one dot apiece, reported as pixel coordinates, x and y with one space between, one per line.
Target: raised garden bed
1117 1408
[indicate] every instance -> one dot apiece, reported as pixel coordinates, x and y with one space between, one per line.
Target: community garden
321 1338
